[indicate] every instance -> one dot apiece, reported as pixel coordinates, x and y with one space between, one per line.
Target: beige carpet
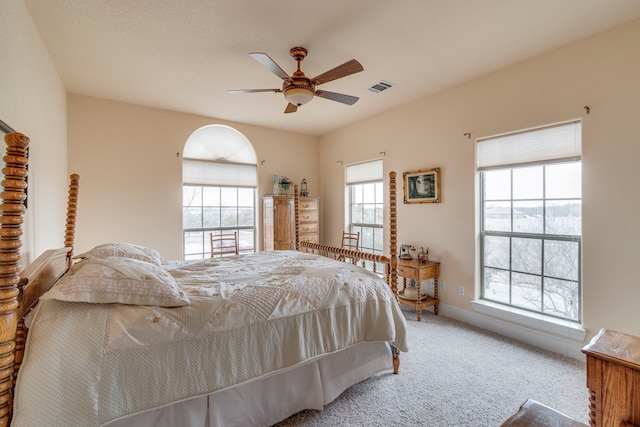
457 375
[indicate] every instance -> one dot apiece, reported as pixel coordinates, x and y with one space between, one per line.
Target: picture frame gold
422 186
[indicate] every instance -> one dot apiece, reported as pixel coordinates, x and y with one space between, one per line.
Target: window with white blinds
219 186
366 205
531 220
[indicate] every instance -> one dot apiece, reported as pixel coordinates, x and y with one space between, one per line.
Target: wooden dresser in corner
309 216
613 379
279 232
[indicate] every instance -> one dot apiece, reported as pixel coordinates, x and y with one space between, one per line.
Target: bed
119 336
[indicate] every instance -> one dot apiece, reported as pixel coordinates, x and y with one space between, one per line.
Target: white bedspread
249 316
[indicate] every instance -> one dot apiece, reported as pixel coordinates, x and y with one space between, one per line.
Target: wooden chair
351 241
224 244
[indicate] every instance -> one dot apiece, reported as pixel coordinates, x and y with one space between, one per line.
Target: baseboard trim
548 341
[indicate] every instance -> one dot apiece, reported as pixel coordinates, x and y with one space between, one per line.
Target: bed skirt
271 399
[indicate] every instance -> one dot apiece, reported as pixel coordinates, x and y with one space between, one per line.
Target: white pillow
118 280
126 250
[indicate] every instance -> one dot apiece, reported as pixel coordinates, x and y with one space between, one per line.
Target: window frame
354 226
524 156
360 174
539 236
218 156
223 229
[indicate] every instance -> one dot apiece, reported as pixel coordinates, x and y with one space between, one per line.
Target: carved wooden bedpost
13 198
393 252
72 208
393 232
296 202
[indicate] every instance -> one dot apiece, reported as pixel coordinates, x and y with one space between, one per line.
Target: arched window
219 180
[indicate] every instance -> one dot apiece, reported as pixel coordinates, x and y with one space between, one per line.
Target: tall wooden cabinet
279 228
279 223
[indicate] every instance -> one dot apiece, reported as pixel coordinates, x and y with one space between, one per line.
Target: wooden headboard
13 206
19 290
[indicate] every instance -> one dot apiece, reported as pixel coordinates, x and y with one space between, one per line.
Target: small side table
418 271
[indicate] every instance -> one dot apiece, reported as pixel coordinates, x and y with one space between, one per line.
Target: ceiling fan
299 89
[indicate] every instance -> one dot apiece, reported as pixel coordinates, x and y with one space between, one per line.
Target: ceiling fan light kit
299 89
298 95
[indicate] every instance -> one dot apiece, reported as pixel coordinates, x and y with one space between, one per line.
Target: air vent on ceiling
380 86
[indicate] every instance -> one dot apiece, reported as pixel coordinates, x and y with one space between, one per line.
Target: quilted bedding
248 316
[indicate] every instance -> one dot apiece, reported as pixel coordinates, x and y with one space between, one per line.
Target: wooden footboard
357 257
347 255
390 262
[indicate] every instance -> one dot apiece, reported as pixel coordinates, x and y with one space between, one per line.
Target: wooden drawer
308 204
308 216
408 272
311 227
418 271
311 238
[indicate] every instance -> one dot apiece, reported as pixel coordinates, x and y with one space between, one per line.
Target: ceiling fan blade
339 97
291 108
265 60
346 69
235 91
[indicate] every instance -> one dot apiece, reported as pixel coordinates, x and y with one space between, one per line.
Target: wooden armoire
279 230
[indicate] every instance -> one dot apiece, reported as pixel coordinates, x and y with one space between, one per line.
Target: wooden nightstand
418 271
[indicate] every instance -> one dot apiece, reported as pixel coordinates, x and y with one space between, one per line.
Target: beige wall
601 72
131 172
33 102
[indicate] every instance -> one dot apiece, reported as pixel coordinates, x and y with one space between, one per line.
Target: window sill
559 327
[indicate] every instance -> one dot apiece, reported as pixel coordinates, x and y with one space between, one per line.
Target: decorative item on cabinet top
303 188
282 186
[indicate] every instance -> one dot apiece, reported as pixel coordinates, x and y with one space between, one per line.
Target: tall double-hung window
365 200
219 179
531 219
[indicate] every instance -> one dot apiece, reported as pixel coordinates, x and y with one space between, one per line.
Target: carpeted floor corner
457 375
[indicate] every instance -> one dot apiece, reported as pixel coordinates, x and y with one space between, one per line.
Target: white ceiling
183 55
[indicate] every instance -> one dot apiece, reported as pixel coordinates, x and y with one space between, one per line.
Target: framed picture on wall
422 186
